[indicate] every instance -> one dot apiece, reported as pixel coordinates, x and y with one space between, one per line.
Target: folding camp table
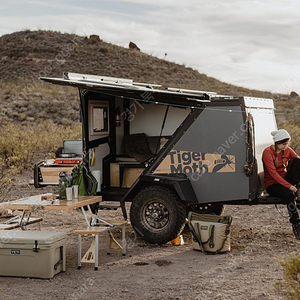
32 203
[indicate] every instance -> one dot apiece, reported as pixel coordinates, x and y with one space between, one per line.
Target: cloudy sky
249 43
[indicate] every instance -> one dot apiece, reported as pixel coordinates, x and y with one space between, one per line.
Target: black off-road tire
157 214
210 208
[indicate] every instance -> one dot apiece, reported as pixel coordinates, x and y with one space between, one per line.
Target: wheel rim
155 215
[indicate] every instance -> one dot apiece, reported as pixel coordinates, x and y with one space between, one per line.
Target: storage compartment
129 172
38 254
130 176
51 174
114 175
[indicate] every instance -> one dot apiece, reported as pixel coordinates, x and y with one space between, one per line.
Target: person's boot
297 198
297 201
296 230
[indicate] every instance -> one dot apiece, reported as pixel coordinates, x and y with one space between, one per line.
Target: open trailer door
98 131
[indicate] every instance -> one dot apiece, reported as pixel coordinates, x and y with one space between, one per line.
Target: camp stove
68 158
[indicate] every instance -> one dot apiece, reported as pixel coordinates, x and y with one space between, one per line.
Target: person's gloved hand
293 189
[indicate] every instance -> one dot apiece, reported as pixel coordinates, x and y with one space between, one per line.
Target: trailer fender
178 182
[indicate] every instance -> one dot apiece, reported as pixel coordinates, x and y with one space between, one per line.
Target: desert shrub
289 287
19 145
103 50
50 136
293 129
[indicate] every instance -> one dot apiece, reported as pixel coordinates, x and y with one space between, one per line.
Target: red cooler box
39 254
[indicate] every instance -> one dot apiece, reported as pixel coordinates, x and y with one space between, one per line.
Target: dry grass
19 145
289 287
293 128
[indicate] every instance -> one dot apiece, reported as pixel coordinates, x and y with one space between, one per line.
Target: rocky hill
27 55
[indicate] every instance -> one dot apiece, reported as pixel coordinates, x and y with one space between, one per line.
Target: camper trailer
169 150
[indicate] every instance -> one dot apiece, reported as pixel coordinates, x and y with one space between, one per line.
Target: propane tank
62 185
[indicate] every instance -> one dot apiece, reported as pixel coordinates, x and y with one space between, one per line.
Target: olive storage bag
83 177
210 233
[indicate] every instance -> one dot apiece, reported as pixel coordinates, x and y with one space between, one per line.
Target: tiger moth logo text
197 162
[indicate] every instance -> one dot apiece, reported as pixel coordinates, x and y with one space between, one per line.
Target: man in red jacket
282 174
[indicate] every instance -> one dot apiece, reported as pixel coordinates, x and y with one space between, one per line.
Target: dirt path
249 271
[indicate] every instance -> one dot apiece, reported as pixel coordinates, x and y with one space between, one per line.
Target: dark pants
278 190
293 172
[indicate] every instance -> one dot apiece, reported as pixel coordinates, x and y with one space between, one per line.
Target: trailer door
262 111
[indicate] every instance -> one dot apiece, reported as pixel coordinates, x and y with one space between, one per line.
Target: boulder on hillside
93 39
294 95
133 46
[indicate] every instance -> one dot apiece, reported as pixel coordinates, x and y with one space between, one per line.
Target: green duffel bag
210 233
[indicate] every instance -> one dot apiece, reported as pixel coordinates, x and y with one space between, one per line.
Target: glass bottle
62 185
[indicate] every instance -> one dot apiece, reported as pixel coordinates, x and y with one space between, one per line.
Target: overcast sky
253 44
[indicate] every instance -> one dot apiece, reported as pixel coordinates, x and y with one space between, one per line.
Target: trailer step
270 200
109 206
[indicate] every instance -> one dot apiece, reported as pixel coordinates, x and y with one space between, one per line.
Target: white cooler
39 254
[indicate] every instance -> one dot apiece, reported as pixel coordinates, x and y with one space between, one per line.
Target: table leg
15 219
107 243
96 250
123 240
94 218
85 216
79 251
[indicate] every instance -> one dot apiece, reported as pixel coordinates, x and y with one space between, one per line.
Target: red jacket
273 174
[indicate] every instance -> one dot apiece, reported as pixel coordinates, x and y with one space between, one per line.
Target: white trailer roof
258 102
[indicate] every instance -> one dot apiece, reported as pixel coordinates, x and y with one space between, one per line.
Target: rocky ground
259 234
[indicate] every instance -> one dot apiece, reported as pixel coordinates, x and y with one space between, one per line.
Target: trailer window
99 119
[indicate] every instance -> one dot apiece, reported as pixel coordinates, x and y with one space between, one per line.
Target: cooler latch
36 246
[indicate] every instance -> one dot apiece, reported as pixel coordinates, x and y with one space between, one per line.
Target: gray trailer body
213 151
211 154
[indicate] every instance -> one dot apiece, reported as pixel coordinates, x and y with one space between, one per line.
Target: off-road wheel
209 208
157 214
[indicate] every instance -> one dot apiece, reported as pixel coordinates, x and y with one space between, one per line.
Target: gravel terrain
258 235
